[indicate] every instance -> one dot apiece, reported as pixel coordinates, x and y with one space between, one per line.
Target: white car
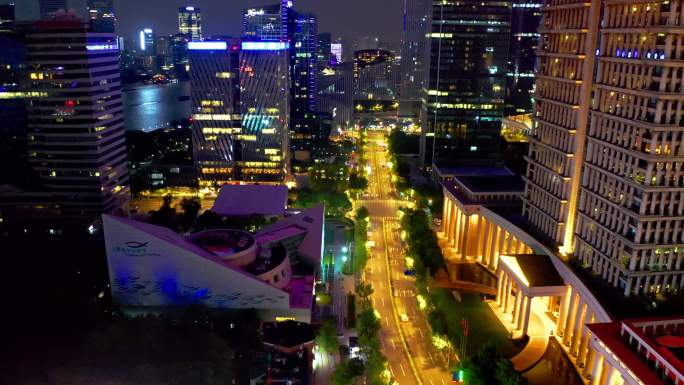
403 317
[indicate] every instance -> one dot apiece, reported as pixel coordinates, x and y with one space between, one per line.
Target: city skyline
223 18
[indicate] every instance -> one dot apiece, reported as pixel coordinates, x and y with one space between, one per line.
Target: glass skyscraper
464 105
190 22
216 124
265 94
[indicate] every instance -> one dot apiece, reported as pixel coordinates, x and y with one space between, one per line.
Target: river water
150 107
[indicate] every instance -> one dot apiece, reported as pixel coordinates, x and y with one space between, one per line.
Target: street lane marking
383 301
402 369
395 348
421 332
432 383
443 383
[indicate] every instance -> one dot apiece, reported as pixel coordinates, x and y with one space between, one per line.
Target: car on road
409 272
396 293
403 317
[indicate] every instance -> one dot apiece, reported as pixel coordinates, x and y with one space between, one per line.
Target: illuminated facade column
507 294
526 318
582 310
565 304
517 305
499 287
570 321
612 375
521 248
597 371
457 227
589 362
452 223
584 344
508 247
479 246
445 208
464 237
502 241
491 232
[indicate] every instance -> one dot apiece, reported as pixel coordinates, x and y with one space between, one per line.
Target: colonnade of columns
477 237
521 304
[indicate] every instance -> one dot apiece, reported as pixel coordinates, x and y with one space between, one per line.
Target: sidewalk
537 344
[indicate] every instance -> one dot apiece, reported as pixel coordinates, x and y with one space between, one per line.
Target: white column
597 373
464 236
628 287
579 326
445 207
563 314
499 287
507 294
570 319
526 321
518 306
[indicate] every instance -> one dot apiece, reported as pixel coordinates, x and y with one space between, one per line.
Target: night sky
345 18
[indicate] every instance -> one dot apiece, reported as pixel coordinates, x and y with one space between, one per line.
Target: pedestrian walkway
536 345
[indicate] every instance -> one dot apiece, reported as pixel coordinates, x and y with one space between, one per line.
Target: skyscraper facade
469 43
216 109
525 18
48 8
265 93
146 40
323 52
629 215
304 64
76 135
190 22
375 75
414 51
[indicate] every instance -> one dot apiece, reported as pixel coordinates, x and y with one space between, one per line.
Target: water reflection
150 107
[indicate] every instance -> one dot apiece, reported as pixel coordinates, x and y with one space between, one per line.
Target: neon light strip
265 45
207 45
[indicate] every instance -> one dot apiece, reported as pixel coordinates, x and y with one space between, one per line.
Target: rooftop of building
536 269
267 260
239 200
499 183
222 242
668 342
311 219
445 171
288 333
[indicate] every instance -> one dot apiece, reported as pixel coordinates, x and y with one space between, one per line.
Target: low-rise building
273 271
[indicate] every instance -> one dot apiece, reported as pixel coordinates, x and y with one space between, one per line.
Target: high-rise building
146 40
414 49
525 19
630 204
265 23
374 75
265 93
190 22
215 108
463 108
336 53
323 47
304 68
48 8
335 94
76 135
179 55
101 14
6 15
163 49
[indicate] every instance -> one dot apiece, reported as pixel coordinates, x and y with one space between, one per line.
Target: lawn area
484 326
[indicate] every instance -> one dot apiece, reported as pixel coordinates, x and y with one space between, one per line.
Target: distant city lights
265 45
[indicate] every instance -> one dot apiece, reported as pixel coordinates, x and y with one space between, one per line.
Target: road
406 344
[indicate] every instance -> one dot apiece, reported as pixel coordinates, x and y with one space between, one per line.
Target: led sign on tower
190 9
265 45
255 12
142 40
207 45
